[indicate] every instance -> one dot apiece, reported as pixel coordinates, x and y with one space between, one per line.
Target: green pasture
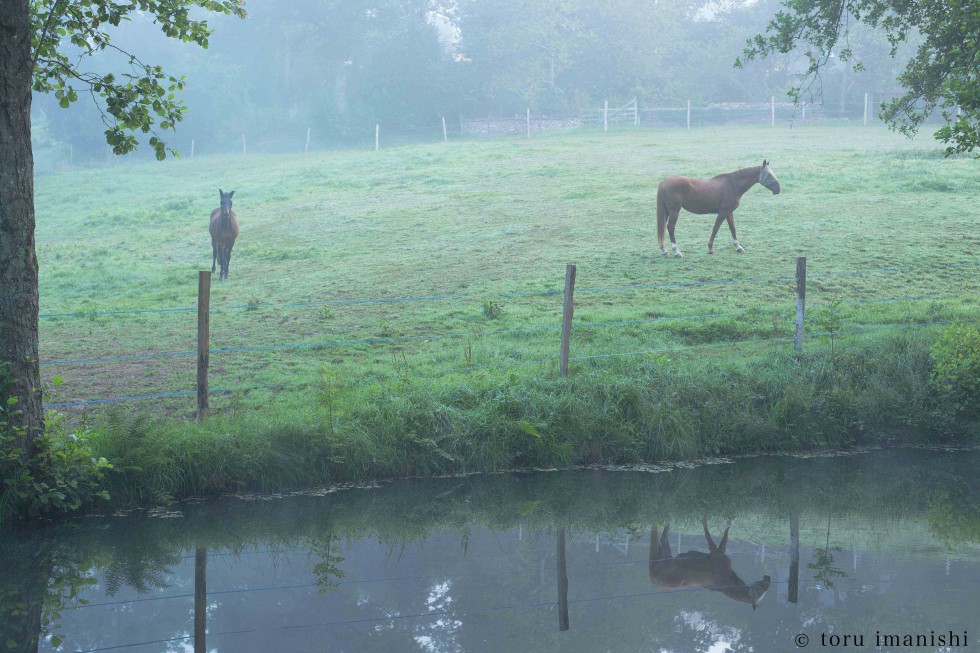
490 222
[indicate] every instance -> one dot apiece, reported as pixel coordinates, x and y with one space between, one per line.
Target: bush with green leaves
956 366
59 475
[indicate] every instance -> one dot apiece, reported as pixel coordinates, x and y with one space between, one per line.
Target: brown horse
711 571
224 231
719 195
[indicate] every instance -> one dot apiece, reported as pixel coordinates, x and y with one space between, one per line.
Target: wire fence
658 339
59 156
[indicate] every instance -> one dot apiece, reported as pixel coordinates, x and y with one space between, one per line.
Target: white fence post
307 147
605 117
244 151
192 148
377 137
445 134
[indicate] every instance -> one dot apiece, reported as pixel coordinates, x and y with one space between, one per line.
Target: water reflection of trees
49 569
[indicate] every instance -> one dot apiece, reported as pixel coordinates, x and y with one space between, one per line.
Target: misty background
339 67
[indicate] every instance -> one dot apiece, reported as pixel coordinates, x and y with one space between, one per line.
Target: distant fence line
566 326
632 114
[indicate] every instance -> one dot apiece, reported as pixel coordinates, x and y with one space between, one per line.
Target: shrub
956 366
59 476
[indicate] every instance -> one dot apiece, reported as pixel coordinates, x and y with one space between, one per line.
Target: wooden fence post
800 303
203 340
605 117
562 582
794 558
636 112
307 147
566 318
192 148
200 600
445 134
377 137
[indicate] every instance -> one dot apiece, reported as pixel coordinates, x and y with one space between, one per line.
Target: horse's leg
671 221
214 256
665 552
711 543
714 232
731 225
231 245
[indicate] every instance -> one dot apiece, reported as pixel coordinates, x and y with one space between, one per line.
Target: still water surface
873 545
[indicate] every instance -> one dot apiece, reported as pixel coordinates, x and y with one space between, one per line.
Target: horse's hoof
711 251
666 253
678 255
740 250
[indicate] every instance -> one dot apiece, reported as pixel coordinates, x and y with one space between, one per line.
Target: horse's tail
661 214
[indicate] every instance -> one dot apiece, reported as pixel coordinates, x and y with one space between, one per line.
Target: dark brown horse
224 231
711 570
718 195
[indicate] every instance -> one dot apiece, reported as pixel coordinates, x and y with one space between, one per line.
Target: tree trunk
18 262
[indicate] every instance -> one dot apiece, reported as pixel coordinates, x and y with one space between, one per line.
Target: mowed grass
489 221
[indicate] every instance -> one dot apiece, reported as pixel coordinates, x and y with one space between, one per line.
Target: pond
871 549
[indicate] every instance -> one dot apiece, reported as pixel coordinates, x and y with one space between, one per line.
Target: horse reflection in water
711 570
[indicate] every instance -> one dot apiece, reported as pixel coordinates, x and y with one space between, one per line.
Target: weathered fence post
445 134
200 600
306 148
794 558
566 318
192 148
562 582
865 108
377 137
529 122
636 112
605 117
800 303
203 340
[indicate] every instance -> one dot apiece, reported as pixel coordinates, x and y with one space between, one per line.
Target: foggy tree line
340 66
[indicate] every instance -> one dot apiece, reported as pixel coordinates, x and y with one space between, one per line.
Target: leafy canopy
944 73
141 99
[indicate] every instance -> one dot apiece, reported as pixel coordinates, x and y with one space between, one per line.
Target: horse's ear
221 192
231 194
765 163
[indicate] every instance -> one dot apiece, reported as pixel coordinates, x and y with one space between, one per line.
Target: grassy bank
671 358
645 410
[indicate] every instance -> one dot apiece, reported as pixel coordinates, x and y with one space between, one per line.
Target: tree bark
18 261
